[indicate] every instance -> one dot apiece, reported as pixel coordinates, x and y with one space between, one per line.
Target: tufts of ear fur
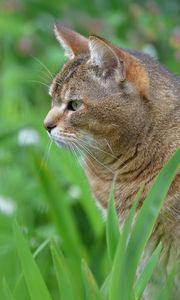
72 42
123 64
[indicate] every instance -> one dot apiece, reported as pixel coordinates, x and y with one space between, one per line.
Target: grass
74 278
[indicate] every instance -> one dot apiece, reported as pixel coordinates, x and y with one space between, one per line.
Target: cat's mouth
63 140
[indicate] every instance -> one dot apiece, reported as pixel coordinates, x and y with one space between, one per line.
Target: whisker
42 72
46 155
92 146
37 81
74 151
77 149
87 159
109 146
43 65
42 76
89 152
70 148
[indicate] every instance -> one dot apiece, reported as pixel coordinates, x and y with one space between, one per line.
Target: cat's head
99 96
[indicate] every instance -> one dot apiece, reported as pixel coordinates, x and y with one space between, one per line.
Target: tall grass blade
20 280
131 217
7 292
92 291
59 208
57 201
168 288
128 254
34 281
118 274
147 216
112 227
62 273
147 272
76 176
105 287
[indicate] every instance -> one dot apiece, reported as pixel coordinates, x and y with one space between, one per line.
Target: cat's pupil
74 105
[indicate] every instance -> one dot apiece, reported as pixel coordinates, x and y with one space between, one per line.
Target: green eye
74 105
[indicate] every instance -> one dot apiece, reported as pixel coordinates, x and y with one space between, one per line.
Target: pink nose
49 125
52 119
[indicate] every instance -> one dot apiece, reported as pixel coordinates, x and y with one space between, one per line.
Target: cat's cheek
76 120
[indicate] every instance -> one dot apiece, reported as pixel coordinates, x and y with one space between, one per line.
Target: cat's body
122 110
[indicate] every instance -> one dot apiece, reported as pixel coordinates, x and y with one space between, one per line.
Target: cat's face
93 101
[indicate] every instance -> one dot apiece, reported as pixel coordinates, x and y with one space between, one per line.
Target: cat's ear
72 42
124 65
103 55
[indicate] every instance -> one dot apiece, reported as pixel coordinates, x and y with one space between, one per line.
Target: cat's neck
131 168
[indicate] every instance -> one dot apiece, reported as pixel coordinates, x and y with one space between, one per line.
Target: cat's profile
121 109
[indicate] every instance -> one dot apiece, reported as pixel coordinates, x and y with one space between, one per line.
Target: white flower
28 136
7 206
74 192
151 50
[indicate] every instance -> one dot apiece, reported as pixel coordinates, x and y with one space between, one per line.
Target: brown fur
128 125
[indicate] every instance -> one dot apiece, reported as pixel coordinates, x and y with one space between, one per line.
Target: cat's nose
49 125
52 118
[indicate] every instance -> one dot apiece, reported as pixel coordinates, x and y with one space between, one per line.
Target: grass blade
76 176
116 289
147 272
62 274
112 227
20 280
60 211
148 215
92 291
34 281
7 292
128 255
105 287
167 290
131 215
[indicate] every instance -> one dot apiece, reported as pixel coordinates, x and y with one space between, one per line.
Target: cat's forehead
80 79
63 80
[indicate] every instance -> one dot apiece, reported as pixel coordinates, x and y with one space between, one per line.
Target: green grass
74 278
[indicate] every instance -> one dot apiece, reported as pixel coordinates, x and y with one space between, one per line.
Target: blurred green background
41 186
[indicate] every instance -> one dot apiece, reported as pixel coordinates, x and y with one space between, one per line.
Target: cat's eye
74 105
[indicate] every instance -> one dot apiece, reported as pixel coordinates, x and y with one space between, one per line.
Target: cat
121 110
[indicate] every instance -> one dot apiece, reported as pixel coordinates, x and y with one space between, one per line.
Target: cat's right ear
104 56
72 42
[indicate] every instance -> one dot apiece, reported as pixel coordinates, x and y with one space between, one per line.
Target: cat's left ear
72 42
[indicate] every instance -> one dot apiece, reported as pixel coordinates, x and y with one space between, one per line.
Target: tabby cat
121 110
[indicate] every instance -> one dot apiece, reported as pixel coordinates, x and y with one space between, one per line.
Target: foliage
133 238
43 187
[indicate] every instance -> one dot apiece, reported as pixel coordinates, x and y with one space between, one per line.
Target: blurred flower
177 55
153 8
135 10
74 192
93 25
7 206
175 38
12 5
25 46
151 50
28 136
